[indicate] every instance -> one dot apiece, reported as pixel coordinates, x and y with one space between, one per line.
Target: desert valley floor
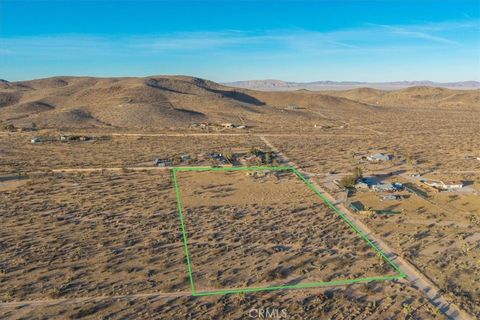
90 216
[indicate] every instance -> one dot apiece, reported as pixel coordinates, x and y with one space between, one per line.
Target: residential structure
384 187
391 197
379 157
444 185
163 162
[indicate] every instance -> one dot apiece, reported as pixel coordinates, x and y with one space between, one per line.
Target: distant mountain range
279 85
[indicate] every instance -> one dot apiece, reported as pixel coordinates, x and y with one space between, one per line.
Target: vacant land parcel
251 229
89 235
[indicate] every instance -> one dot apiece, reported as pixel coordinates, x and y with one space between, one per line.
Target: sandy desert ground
268 231
102 239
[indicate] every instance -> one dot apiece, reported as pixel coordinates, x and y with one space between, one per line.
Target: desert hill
152 102
178 101
422 96
118 102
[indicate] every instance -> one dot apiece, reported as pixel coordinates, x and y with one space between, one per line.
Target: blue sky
238 40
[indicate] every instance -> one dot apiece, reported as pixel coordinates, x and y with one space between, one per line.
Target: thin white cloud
368 38
408 32
63 45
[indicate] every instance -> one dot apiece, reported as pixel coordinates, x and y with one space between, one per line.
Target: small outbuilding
384 187
379 157
391 197
163 162
35 140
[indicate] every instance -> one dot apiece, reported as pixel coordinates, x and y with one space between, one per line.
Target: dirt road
109 169
33 303
414 275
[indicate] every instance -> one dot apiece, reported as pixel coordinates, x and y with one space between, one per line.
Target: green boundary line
350 223
400 274
184 233
276 168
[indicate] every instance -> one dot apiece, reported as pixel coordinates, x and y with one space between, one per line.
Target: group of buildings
252 157
65 138
371 184
207 125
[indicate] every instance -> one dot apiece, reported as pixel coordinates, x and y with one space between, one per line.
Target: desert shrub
475 219
9 127
348 181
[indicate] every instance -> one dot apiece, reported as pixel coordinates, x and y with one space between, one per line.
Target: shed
379 157
163 162
384 187
35 140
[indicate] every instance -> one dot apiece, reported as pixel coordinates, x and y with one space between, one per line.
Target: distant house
185 157
443 186
163 162
452 185
384 187
357 206
379 157
398 186
391 197
228 125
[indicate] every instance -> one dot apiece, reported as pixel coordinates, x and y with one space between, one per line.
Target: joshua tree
177 160
268 158
349 181
9 127
407 310
466 248
357 173
229 155
253 151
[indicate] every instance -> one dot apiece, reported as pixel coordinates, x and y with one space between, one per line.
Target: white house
384 187
378 157
452 185
441 185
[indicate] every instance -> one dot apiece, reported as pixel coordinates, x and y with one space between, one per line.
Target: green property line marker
274 168
350 223
297 286
184 233
400 274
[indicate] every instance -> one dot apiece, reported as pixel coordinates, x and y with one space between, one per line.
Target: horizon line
247 80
